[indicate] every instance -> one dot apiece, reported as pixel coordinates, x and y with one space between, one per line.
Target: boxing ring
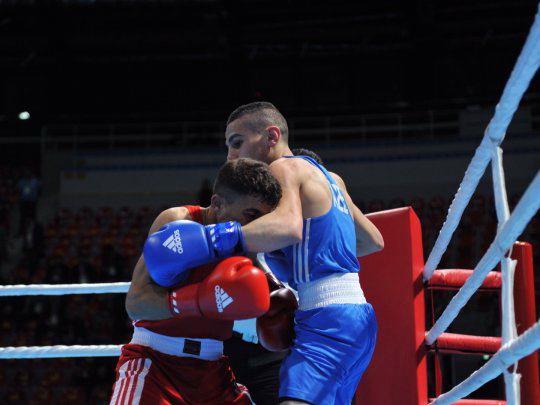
396 280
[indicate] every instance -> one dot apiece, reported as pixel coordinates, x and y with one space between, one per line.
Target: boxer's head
244 190
257 131
307 152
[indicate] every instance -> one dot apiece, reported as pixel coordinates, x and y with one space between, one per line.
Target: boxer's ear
274 135
216 202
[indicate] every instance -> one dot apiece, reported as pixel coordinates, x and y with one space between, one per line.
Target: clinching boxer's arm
145 299
283 226
368 238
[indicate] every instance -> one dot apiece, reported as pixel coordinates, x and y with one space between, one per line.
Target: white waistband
343 288
205 349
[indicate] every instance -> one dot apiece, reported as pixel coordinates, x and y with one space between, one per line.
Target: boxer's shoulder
170 215
289 171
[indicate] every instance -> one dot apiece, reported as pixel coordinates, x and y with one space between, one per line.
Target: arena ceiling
72 56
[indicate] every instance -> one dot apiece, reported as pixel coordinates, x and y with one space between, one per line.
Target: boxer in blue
321 233
335 327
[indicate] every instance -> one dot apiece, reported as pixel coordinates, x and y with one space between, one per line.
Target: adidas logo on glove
174 242
222 298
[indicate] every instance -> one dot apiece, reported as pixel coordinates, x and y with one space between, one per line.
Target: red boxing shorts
147 377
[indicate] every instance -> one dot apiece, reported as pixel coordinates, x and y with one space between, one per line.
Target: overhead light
24 115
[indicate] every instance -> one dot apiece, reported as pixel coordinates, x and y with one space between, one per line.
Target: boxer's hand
181 245
174 249
234 290
275 329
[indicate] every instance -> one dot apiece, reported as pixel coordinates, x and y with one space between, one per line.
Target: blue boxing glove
174 249
179 246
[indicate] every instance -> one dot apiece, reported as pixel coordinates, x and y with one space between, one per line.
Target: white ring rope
34 352
509 354
509 228
507 235
63 289
24 352
524 70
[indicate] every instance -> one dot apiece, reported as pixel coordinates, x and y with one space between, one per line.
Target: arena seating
102 245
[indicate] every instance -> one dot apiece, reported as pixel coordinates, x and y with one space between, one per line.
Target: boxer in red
176 353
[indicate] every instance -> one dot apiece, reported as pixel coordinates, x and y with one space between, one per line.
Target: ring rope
63 289
506 236
509 354
523 72
34 352
509 228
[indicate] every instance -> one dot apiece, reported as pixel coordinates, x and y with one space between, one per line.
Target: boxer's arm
368 238
283 226
145 299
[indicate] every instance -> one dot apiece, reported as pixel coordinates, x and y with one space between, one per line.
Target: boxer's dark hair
244 176
307 152
263 115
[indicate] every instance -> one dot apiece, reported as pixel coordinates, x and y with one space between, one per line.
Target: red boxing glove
275 329
234 290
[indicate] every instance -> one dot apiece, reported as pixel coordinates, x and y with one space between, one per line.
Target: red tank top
192 327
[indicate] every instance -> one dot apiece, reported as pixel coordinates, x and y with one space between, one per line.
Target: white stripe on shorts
119 382
131 376
140 381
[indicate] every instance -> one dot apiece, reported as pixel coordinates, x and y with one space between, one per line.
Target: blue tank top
328 243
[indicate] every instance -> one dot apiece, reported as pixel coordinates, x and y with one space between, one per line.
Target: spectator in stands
14 396
42 396
29 190
113 263
33 241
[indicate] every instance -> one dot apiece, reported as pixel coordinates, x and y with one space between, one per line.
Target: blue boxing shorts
331 350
